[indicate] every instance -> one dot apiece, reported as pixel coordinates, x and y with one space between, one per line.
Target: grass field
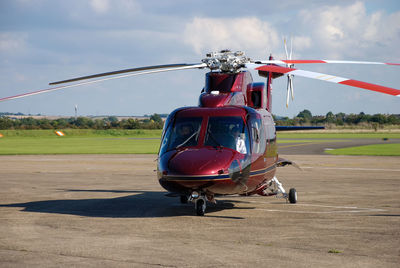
376 149
88 141
338 135
77 141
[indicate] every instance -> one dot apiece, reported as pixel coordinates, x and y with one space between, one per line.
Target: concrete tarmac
108 210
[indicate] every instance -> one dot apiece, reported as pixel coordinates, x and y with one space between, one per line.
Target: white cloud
118 8
12 42
336 27
349 31
301 42
100 6
383 29
249 34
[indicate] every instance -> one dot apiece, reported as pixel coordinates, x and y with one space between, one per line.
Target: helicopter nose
201 161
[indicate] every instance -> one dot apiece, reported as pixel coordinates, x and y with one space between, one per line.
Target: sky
42 41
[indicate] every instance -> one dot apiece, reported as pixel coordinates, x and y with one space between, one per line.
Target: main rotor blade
194 66
321 61
330 78
166 66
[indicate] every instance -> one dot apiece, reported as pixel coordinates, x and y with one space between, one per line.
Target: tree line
155 121
340 119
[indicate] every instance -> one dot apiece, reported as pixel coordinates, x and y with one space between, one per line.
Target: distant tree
340 118
44 123
378 118
111 119
330 118
60 123
29 123
84 122
306 114
351 119
98 124
130 124
318 120
393 119
6 123
156 118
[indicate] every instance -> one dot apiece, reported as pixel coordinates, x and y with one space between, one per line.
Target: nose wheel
200 202
200 206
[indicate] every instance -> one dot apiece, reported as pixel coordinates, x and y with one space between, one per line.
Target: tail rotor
290 90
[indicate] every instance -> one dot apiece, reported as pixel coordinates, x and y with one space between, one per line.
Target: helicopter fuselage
226 145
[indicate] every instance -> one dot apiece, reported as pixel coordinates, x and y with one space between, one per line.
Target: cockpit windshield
183 132
227 131
222 131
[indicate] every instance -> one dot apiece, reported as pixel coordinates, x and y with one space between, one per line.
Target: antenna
76 111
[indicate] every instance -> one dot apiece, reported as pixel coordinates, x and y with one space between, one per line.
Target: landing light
195 194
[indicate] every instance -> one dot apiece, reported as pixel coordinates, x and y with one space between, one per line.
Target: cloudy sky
49 40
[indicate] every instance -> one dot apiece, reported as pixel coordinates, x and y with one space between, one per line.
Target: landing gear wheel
292 196
184 199
200 207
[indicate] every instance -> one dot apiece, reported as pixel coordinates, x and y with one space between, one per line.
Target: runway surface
108 210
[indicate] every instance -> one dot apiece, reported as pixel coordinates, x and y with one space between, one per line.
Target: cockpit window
182 133
227 131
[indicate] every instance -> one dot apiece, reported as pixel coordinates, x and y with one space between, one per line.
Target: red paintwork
373 87
211 100
275 68
225 89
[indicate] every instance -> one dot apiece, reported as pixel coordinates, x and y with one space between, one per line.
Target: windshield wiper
188 139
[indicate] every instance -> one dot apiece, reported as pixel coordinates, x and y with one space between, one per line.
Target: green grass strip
371 135
77 145
375 149
309 141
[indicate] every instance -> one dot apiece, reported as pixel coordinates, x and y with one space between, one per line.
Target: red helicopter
227 144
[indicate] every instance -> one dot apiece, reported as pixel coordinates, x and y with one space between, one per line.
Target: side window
271 134
256 99
258 136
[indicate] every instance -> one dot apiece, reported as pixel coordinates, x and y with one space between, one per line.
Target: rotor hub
226 61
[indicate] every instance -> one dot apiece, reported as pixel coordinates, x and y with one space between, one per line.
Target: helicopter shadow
139 204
